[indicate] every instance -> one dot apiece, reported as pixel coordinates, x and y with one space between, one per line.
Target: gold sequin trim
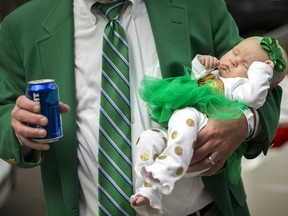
174 134
178 150
162 157
147 185
179 171
220 84
190 122
216 83
144 156
213 84
203 80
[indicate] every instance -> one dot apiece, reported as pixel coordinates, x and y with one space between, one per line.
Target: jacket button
11 161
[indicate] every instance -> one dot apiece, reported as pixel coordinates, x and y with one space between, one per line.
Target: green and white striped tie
115 166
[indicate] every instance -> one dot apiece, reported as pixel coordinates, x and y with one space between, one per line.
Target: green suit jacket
36 41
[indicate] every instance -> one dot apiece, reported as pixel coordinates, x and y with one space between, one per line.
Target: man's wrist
28 154
258 127
251 121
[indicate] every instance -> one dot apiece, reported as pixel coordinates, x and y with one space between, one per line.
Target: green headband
274 52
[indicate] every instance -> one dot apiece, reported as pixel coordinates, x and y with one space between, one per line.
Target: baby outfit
182 106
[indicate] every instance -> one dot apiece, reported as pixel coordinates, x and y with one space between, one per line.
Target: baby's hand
209 62
270 63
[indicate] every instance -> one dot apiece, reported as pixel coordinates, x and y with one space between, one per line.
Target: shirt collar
91 2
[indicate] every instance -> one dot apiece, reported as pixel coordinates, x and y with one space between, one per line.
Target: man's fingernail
43 121
36 109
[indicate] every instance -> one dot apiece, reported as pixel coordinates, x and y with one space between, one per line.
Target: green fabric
271 45
37 41
234 166
115 153
164 96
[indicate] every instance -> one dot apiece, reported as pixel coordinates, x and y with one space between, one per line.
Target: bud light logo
36 97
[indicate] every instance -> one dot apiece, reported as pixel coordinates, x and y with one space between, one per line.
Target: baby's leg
173 162
149 145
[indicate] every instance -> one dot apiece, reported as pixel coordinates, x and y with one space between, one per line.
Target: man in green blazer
39 40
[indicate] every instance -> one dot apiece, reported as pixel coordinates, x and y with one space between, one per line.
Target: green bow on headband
275 55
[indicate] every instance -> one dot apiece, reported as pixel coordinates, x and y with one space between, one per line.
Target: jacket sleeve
269 115
12 85
225 36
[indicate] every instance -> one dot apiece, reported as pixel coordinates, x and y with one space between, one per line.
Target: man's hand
27 112
217 140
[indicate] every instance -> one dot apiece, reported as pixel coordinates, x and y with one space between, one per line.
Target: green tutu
164 96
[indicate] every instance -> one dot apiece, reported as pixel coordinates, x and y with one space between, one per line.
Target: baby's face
236 62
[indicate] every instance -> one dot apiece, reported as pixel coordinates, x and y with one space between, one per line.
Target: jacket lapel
56 52
174 31
56 48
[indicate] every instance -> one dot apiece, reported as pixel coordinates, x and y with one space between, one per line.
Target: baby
244 76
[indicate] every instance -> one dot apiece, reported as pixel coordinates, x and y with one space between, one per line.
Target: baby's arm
202 65
254 92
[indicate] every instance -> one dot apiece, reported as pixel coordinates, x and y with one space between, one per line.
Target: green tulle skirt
164 96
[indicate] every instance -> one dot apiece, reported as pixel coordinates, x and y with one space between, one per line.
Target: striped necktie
114 158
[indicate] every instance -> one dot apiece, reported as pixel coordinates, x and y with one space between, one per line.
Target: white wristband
250 120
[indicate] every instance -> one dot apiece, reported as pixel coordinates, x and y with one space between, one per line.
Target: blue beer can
45 92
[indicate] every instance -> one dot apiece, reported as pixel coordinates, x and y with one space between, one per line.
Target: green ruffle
164 96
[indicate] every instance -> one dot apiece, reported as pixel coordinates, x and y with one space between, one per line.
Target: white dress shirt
189 194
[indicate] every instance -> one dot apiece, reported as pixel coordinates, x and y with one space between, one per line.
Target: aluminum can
45 92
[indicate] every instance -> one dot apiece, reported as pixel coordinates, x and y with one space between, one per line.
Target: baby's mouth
223 67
